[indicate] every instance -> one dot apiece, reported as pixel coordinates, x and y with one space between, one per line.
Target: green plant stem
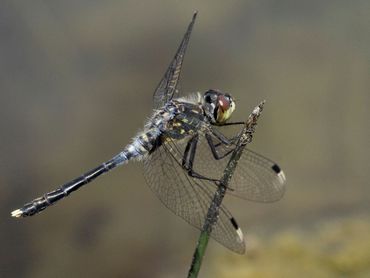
245 138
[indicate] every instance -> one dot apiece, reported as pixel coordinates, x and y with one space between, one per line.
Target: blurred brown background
76 80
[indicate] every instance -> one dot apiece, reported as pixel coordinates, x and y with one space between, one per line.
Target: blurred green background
76 80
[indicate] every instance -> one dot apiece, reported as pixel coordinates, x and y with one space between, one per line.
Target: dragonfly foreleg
223 139
235 123
214 146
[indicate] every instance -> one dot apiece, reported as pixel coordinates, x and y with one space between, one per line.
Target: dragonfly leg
188 160
235 123
224 140
231 141
214 146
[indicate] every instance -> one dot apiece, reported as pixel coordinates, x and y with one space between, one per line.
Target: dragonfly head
218 106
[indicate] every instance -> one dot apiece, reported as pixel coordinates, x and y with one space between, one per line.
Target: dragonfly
184 153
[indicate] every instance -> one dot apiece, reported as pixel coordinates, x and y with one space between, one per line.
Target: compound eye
224 102
208 98
228 97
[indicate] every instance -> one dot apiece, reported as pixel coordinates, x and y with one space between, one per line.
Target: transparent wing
166 88
188 197
256 177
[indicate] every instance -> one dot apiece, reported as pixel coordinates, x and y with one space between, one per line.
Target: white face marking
227 113
232 105
281 177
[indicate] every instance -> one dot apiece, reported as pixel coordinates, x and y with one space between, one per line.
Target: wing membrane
256 177
166 88
188 197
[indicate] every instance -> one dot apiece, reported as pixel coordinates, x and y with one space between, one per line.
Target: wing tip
280 173
239 231
240 234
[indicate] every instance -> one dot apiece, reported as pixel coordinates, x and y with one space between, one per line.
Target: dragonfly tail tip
17 213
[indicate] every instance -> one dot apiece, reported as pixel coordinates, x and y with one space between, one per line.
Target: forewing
255 178
166 88
188 197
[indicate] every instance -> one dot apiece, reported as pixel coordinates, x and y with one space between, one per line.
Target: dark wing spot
234 223
276 168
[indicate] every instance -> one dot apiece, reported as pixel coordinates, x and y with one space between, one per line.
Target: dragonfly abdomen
140 146
41 203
